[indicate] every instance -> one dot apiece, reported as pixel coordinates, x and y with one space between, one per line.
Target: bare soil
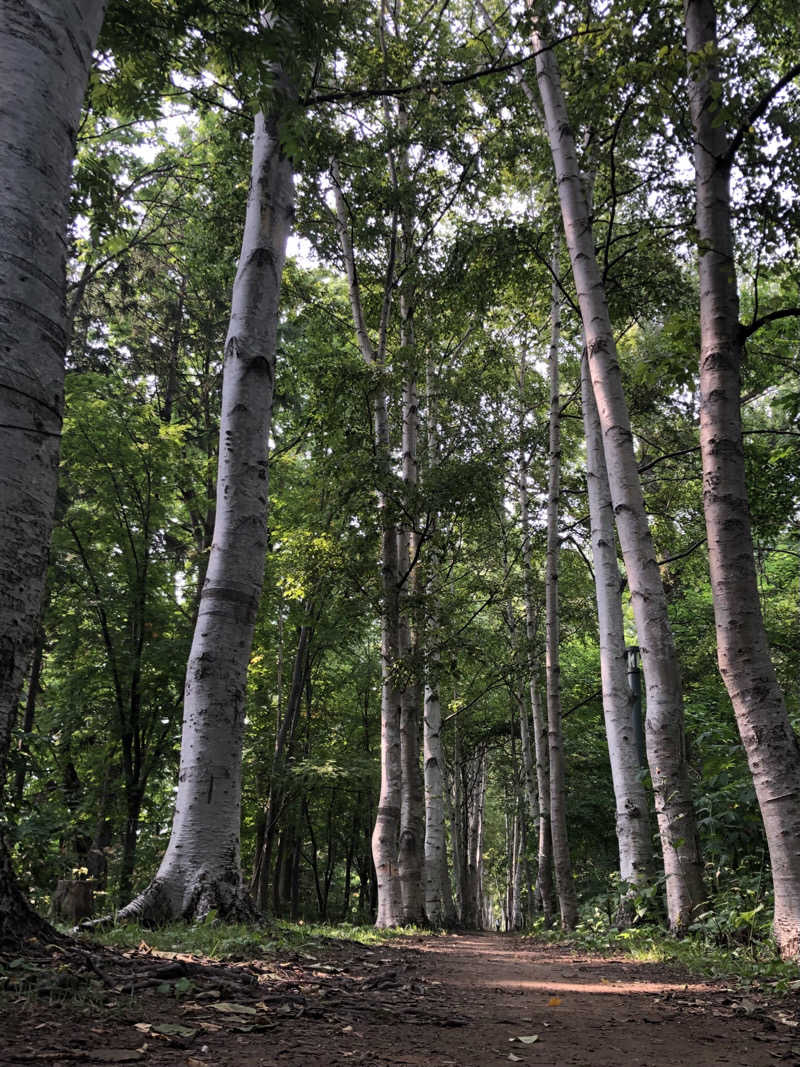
453 1001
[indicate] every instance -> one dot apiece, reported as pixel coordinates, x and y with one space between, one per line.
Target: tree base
18 921
203 898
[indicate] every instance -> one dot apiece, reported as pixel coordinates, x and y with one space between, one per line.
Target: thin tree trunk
34 688
276 792
538 801
632 824
544 878
437 881
453 801
742 650
45 56
665 744
387 823
565 886
200 870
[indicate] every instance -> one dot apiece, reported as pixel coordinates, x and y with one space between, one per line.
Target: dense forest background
424 185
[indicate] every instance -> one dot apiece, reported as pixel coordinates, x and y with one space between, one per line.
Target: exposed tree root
161 903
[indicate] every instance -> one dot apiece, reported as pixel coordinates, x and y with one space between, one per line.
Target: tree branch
763 320
756 112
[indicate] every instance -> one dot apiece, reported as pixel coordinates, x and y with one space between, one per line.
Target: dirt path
455 1001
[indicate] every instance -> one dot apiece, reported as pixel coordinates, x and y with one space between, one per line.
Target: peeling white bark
45 55
664 724
742 650
632 824
200 870
565 886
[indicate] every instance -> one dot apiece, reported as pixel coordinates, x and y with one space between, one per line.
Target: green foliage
225 941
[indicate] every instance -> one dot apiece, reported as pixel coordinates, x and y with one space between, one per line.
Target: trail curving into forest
469 1000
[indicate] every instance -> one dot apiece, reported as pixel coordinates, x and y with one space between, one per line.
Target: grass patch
226 941
755 964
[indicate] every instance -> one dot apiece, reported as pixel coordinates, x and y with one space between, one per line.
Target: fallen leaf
233 1009
554 1002
173 1030
527 1040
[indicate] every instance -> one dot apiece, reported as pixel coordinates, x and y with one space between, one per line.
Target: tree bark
387 823
664 725
45 55
632 824
539 802
200 870
742 650
565 885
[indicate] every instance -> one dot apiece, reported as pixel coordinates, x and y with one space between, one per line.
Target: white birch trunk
742 650
632 824
664 725
45 55
453 805
437 882
565 886
516 886
544 877
411 852
200 870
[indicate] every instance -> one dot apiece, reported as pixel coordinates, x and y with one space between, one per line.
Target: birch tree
200 870
742 650
387 825
664 725
631 806
45 53
565 886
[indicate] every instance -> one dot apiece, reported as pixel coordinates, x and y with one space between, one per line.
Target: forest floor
441 1001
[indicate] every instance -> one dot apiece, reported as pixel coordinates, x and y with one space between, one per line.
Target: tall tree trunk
411 853
45 55
200 869
411 850
565 886
632 825
453 802
544 877
538 760
437 880
664 726
742 650
387 823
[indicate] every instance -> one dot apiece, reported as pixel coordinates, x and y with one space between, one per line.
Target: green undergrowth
224 941
753 962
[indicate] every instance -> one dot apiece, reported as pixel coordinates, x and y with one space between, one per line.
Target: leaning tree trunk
200 870
565 885
742 650
632 824
664 725
45 56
